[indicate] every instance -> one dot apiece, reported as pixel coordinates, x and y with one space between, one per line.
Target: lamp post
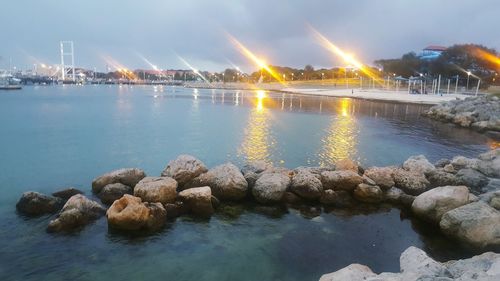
468 76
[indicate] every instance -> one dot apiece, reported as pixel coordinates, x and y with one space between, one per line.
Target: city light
252 57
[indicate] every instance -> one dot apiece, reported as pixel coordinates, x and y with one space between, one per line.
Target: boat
9 82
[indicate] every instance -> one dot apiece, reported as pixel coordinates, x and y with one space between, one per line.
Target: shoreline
329 91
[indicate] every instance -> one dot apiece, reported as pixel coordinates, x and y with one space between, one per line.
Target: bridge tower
67 51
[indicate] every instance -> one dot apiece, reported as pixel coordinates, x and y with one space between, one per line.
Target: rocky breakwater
479 113
460 196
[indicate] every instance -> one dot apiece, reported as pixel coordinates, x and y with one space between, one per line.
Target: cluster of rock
480 113
416 265
441 193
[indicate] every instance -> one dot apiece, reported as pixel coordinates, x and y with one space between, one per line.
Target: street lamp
293 75
322 76
468 76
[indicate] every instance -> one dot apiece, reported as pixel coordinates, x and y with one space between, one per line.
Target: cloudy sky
130 32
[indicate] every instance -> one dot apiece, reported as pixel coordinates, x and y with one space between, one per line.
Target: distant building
432 52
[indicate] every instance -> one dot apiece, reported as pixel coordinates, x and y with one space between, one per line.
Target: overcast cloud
275 29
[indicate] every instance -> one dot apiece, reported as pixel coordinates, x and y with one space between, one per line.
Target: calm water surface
53 137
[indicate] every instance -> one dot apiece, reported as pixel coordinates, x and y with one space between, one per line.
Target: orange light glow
487 56
346 57
252 57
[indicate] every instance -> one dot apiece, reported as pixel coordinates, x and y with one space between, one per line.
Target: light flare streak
195 71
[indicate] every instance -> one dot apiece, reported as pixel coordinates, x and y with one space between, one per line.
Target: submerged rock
67 193
341 180
306 185
476 224
184 168
77 212
112 192
270 187
411 182
34 203
382 176
128 176
432 204
130 213
198 200
156 189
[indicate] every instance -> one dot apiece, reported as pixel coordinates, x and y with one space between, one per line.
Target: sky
133 33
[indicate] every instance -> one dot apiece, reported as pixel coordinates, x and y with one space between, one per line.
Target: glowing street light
468 77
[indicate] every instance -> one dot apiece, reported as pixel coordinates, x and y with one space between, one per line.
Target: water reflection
341 137
258 139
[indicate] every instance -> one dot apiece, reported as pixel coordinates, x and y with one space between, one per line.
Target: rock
464 119
270 187
495 202
227 182
353 272
176 209
67 193
306 185
418 164
130 213
368 193
198 200
340 198
77 212
251 178
393 195
472 178
34 204
128 176
480 126
382 176
461 162
439 177
346 164
112 192
432 204
315 170
441 163
476 224
490 163
184 168
156 189
256 167
416 263
412 183
341 180
449 169
291 198
368 181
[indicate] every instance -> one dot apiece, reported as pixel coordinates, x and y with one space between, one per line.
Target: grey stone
184 168
34 203
128 176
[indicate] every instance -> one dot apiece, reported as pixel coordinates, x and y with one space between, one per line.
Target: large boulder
339 198
341 180
472 178
413 183
382 176
368 193
130 213
128 176
477 224
257 167
461 162
34 203
67 193
397 196
418 164
226 182
270 187
489 163
112 192
184 168
156 189
440 177
432 204
306 185
198 200
415 263
77 212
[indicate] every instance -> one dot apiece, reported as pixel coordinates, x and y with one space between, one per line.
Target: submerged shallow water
54 137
